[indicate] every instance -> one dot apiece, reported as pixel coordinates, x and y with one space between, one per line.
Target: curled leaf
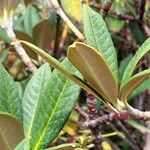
94 69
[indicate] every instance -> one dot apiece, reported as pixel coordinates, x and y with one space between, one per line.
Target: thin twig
97 137
112 117
81 112
17 45
106 7
55 5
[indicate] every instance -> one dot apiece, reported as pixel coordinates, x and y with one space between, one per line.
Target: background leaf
10 94
123 65
11 131
114 24
132 64
68 146
73 9
98 37
7 4
141 88
31 18
44 34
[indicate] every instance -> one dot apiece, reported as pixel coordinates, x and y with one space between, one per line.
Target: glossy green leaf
44 34
123 64
68 146
24 36
23 145
10 94
73 9
94 69
56 64
32 99
134 61
48 102
11 131
98 37
31 18
141 88
134 82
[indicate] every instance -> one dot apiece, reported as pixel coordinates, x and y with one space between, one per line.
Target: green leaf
134 82
10 94
130 5
98 37
94 69
123 64
132 64
3 36
4 56
114 24
68 146
73 9
48 102
23 145
57 65
32 98
44 34
141 88
138 126
136 31
31 18
11 131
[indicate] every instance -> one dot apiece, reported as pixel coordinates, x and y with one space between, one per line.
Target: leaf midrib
35 110
41 136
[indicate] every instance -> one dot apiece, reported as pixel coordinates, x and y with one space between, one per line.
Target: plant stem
18 47
112 117
106 7
55 5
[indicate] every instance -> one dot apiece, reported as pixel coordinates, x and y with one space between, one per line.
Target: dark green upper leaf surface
10 94
123 65
98 37
48 102
132 64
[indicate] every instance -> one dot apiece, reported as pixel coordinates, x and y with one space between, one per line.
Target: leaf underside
94 69
134 82
132 64
11 131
